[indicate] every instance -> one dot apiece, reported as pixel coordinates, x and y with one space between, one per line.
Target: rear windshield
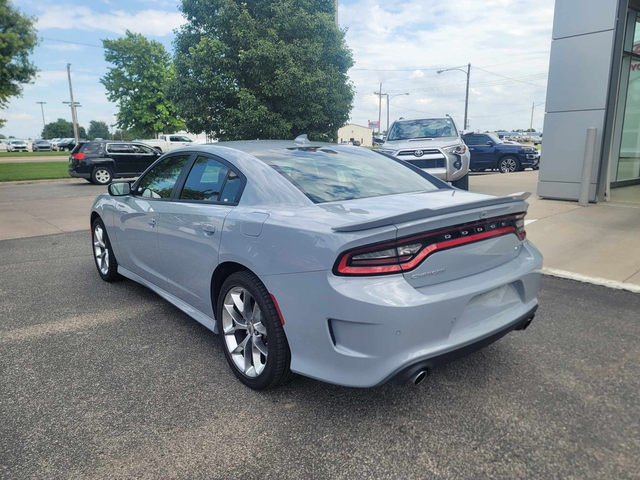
327 175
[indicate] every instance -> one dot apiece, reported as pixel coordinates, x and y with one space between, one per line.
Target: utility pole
466 99
337 24
43 122
73 106
533 106
380 94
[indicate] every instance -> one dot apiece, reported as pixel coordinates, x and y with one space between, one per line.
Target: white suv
432 144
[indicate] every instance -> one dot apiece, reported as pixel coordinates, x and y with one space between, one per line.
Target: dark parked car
489 152
101 162
68 144
41 145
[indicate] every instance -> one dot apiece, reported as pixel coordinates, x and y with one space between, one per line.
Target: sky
399 43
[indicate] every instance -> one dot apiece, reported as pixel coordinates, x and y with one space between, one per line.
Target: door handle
152 222
208 229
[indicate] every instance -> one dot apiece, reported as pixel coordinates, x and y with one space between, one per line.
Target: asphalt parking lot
109 381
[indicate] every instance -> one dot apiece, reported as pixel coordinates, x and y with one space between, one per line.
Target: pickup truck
166 143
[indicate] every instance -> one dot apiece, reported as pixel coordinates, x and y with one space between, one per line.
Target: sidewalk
601 240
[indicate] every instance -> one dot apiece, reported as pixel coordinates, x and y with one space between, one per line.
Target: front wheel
508 165
251 332
103 253
462 183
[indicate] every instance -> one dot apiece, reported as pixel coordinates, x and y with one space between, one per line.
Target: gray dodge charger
334 262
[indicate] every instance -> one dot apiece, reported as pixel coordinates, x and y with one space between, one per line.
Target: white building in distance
351 132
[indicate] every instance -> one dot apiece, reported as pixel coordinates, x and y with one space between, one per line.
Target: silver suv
432 144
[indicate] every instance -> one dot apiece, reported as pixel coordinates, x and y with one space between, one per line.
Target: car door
144 155
190 229
136 219
480 150
123 157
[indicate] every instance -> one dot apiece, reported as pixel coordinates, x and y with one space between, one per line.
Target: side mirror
120 189
490 143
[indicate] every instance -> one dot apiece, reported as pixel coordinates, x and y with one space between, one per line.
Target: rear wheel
508 165
462 183
101 176
103 253
252 336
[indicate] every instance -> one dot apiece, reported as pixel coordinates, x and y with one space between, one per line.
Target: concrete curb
603 282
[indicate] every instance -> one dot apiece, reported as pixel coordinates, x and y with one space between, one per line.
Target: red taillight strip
348 266
434 247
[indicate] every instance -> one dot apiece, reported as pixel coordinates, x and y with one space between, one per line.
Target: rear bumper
75 173
363 331
428 364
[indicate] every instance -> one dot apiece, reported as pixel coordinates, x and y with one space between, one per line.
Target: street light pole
467 72
43 122
388 100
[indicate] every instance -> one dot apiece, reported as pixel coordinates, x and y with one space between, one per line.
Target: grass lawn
32 171
33 154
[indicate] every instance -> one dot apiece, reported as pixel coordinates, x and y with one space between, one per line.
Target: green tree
125 135
18 37
262 69
138 81
63 129
98 129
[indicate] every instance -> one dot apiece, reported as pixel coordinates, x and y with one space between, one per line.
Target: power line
509 78
73 43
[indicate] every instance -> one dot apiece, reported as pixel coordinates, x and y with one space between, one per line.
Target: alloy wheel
508 165
100 250
245 335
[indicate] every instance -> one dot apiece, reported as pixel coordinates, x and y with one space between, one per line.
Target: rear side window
205 180
159 181
327 175
91 147
119 148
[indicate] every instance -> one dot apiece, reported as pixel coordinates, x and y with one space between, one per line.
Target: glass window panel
205 180
159 181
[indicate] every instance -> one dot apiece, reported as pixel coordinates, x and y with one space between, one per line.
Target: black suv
101 162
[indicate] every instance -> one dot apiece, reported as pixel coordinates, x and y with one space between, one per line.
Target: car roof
255 146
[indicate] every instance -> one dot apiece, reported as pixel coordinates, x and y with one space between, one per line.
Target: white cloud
402 43
147 22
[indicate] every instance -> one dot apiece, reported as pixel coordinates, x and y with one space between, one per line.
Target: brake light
78 156
407 253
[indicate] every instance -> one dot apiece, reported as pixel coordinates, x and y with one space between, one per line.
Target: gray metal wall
577 92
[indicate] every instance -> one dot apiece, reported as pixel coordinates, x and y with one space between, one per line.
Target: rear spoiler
431 212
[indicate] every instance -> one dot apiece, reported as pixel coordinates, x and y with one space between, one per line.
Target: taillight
407 253
78 156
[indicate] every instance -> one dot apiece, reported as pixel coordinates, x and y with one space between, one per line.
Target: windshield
426 128
326 175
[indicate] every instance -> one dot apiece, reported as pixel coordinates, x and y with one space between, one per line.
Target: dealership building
594 81
352 132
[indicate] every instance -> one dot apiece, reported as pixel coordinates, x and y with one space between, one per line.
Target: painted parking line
527 222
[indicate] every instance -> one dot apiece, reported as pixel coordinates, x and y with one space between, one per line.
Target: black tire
276 370
509 164
101 175
109 274
462 183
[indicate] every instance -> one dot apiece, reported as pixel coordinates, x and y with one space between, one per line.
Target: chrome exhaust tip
418 377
